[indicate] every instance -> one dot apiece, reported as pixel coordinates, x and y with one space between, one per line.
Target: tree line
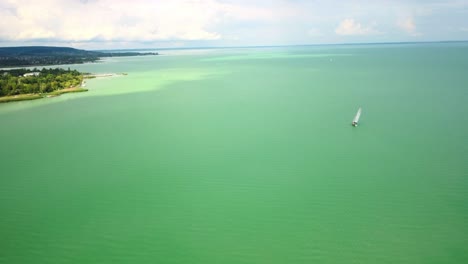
14 82
43 55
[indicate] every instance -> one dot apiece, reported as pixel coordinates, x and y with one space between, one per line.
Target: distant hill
44 55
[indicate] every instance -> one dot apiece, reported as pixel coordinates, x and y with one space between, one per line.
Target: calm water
244 156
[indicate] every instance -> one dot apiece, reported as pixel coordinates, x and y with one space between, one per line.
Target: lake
244 155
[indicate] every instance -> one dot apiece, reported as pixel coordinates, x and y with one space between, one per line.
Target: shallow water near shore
244 156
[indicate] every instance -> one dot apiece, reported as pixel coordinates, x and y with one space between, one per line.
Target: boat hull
356 118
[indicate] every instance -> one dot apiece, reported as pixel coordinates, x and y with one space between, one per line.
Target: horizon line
258 46
301 45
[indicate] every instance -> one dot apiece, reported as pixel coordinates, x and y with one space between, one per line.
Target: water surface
244 156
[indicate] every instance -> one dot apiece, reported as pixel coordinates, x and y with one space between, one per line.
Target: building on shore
31 74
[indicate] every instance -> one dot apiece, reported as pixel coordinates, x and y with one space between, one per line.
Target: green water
244 156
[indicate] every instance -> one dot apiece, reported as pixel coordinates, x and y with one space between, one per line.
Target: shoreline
76 89
28 97
102 75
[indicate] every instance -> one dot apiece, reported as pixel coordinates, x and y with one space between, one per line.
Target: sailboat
356 118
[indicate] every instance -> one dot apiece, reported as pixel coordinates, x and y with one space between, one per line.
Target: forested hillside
42 55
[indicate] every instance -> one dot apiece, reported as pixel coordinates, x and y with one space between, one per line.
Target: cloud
148 23
113 20
407 25
350 27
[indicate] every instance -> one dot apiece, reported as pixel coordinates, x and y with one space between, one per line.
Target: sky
119 24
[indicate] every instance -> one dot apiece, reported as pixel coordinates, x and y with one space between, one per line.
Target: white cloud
146 23
114 20
408 26
351 27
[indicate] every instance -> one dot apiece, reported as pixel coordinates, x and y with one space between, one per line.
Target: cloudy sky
102 24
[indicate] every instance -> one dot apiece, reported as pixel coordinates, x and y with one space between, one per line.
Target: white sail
358 115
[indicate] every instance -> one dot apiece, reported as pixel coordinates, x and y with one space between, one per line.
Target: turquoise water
244 156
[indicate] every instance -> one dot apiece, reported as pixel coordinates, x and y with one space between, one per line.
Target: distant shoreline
30 56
